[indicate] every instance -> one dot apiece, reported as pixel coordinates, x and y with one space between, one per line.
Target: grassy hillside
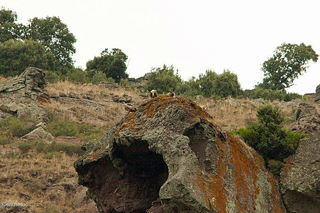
42 175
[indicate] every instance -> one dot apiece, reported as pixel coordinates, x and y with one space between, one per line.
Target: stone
23 96
300 177
317 95
124 98
168 157
307 119
38 134
73 95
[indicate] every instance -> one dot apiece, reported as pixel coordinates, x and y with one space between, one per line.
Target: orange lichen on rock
128 121
213 186
163 101
245 173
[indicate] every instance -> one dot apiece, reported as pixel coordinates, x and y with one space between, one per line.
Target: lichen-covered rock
307 119
23 96
167 157
317 95
300 177
38 134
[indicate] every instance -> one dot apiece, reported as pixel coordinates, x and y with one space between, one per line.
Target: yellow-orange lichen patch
129 122
163 101
246 168
276 200
288 164
213 186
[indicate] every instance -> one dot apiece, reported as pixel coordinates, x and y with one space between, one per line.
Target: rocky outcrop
30 84
141 82
23 95
300 177
317 95
167 157
307 119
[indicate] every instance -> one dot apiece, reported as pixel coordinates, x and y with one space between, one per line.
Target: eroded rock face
300 177
167 157
307 119
22 95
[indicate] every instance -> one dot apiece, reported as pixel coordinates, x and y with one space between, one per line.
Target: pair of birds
153 93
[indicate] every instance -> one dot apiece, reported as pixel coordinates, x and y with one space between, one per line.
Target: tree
206 83
56 38
17 55
113 64
222 85
287 63
227 84
8 28
163 79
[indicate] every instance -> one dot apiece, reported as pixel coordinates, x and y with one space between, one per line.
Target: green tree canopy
164 79
287 63
113 64
56 38
17 55
206 83
8 28
222 85
227 84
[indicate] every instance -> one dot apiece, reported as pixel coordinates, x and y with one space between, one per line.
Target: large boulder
22 96
300 177
168 157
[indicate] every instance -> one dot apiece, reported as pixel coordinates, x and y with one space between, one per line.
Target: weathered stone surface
31 83
124 98
300 177
167 157
307 119
22 96
317 95
38 134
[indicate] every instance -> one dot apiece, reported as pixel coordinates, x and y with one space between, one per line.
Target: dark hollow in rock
136 175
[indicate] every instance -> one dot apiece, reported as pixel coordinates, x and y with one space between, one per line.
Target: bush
77 76
13 127
25 147
268 136
275 166
164 80
52 149
271 95
86 132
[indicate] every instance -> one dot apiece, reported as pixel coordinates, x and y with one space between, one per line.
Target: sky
193 36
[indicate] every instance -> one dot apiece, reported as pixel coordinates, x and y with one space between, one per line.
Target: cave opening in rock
144 171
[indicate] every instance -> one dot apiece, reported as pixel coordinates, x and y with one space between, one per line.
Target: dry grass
34 178
2 79
101 111
29 179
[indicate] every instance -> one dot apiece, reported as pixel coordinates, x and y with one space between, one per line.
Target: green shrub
163 79
53 148
84 131
77 76
275 166
268 136
25 147
4 139
13 127
271 95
